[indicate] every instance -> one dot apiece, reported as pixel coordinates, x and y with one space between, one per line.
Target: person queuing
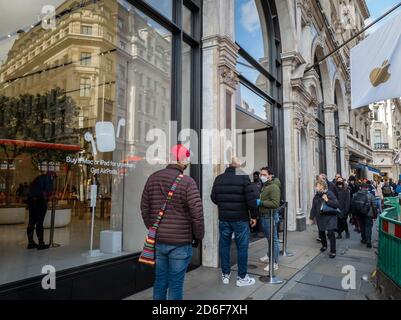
269 203
182 225
324 213
363 206
344 200
236 198
258 183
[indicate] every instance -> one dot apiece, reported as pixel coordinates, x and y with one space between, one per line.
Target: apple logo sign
380 75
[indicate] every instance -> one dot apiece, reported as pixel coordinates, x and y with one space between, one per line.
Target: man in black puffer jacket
236 198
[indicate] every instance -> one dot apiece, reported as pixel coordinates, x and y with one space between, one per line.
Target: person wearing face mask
182 226
269 203
325 222
344 200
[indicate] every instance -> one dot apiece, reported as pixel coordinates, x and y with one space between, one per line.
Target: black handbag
326 210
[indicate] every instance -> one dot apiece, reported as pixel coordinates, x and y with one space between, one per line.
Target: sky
379 7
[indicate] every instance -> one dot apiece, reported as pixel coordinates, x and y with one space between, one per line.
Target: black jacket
344 200
235 196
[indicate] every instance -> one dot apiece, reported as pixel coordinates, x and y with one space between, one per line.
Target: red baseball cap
179 153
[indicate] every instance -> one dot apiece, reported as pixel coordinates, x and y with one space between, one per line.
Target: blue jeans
241 231
366 224
265 220
171 265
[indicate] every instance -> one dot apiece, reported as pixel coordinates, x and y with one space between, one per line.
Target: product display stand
93 253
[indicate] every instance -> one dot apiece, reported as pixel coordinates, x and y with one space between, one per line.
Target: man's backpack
361 204
398 189
387 191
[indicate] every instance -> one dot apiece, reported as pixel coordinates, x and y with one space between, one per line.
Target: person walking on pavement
331 186
344 200
269 203
363 206
181 227
387 189
379 195
326 221
354 188
397 190
236 198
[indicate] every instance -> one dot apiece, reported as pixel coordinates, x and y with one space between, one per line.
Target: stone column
220 81
343 139
329 110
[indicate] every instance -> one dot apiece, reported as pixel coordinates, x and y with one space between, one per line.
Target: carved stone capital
228 76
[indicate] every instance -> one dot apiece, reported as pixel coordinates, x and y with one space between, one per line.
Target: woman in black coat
344 200
325 222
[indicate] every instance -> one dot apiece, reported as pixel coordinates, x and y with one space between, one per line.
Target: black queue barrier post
284 251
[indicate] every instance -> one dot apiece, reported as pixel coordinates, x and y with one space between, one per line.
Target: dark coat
235 195
183 219
344 200
324 222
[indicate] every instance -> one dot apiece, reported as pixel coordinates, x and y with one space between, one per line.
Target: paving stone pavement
309 274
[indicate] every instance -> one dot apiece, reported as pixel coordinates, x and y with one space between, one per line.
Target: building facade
386 138
244 70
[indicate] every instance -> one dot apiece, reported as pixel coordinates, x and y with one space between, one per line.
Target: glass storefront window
252 104
163 6
251 28
253 75
187 20
77 115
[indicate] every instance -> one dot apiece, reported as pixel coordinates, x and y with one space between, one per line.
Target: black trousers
342 225
37 212
332 237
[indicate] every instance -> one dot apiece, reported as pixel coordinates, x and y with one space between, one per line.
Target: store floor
18 263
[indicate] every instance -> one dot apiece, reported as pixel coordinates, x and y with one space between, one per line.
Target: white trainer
246 281
225 278
264 259
268 267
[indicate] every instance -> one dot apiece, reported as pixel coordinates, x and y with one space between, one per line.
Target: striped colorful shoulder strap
148 252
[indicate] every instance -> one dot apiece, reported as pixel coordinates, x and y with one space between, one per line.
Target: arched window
321 132
259 94
337 133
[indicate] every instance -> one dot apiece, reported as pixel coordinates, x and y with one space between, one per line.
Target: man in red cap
181 226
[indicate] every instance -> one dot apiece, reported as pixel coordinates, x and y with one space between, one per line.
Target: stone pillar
343 139
329 110
220 81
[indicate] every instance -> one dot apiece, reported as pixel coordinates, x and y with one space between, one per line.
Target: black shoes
43 246
32 245
332 255
323 249
369 245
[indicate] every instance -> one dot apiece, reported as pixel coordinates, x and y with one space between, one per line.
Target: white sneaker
225 278
268 267
246 281
264 259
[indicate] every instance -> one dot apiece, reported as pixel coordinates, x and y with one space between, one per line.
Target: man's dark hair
256 172
268 169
